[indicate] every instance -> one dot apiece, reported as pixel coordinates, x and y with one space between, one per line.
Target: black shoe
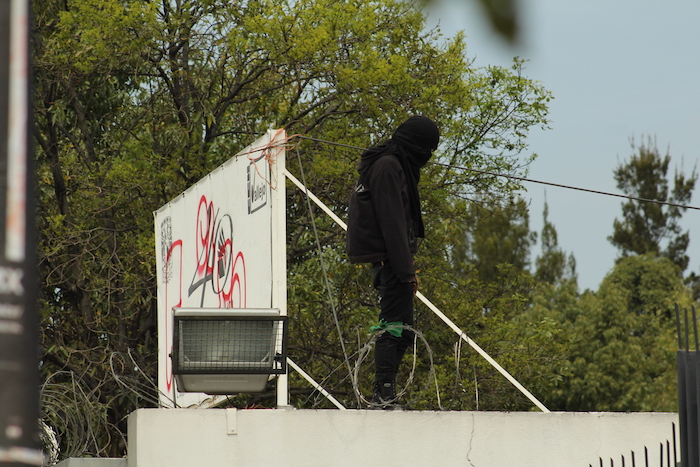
385 396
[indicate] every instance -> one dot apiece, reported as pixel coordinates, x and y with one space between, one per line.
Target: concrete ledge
89 462
229 437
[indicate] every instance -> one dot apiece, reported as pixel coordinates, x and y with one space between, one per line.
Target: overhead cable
523 179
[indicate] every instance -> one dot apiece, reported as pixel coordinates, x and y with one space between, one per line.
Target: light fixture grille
227 345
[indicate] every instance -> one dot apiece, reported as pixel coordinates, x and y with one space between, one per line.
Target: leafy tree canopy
496 234
137 100
621 340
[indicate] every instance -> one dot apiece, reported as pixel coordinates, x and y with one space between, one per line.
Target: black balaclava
413 143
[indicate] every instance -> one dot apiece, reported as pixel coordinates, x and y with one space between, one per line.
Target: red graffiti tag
219 273
219 270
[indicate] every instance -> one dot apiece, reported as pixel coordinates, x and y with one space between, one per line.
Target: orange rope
269 151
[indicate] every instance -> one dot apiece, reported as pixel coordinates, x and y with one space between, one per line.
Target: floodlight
228 351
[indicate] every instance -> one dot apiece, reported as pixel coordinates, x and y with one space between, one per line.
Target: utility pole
19 378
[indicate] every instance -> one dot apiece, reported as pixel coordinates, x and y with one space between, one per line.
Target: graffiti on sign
212 241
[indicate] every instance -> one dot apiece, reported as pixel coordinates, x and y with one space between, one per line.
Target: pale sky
618 69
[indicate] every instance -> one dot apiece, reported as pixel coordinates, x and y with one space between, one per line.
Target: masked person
384 224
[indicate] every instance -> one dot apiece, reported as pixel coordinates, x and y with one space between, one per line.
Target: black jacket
380 224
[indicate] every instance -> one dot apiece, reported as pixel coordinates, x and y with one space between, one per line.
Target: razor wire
361 354
72 415
72 418
129 375
365 350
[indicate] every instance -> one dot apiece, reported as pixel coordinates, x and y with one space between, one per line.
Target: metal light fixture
228 351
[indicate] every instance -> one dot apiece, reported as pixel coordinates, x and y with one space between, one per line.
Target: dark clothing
397 296
384 223
380 224
381 230
396 307
413 144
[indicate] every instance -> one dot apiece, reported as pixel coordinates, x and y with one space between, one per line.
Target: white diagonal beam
432 307
317 386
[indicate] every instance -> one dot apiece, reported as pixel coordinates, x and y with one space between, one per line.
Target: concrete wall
280 437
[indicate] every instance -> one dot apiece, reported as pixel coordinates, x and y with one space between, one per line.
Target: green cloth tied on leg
395 328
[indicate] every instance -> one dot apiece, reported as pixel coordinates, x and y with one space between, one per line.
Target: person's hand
415 284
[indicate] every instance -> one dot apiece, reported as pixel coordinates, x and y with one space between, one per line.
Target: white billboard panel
218 245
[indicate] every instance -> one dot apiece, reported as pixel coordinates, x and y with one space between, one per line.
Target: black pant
396 307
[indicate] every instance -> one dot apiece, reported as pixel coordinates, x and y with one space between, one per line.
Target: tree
496 234
135 101
623 340
553 266
646 226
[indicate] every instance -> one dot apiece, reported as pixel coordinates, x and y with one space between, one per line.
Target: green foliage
488 314
135 101
501 236
553 266
648 227
621 339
